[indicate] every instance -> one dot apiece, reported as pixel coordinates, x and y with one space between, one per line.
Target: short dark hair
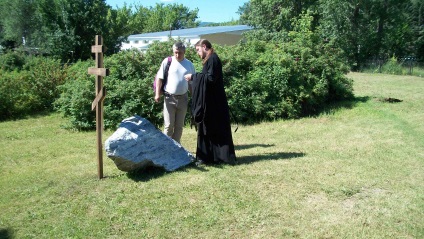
179 46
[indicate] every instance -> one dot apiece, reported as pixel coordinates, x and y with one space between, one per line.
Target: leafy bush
129 88
46 75
14 96
11 61
31 87
268 79
264 79
76 95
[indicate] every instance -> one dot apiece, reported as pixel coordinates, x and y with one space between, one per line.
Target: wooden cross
97 104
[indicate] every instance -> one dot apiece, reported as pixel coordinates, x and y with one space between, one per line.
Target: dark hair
209 48
205 42
179 46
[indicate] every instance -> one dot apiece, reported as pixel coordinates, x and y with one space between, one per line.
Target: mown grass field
355 171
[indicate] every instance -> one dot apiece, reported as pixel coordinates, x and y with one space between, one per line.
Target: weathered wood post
97 104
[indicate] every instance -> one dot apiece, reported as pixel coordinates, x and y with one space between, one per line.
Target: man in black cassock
210 109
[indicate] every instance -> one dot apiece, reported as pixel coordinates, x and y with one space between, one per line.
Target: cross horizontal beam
98 71
98 49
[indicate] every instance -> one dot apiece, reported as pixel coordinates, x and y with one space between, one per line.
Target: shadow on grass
151 172
331 108
6 233
270 156
249 146
146 174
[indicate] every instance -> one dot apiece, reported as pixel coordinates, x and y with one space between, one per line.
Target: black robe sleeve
198 105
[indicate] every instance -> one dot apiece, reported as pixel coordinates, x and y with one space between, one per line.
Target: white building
223 35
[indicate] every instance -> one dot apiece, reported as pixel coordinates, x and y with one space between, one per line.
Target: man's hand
157 97
188 77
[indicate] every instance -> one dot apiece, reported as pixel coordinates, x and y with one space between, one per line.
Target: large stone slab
137 143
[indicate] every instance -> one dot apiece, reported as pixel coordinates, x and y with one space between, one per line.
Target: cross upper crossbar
98 49
98 71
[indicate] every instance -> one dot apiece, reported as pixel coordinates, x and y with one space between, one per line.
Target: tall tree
52 37
367 30
170 17
340 23
416 10
66 28
138 21
118 26
17 21
85 19
274 15
62 28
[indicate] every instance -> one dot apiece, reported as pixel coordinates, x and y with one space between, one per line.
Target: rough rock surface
137 143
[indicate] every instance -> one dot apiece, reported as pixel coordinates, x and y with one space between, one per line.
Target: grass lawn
355 171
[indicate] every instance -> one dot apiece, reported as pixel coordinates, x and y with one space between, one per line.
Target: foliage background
263 80
64 29
31 87
364 30
288 67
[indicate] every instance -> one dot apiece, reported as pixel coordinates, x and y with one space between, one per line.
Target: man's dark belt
169 94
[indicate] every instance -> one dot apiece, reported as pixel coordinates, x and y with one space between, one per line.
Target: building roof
192 32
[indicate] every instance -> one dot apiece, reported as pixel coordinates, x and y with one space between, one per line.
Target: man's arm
158 87
159 81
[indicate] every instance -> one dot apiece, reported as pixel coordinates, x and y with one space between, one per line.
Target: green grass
417 70
355 171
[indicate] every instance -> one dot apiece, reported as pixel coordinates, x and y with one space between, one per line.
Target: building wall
143 45
222 39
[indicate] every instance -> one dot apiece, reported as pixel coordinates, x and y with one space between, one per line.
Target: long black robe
211 113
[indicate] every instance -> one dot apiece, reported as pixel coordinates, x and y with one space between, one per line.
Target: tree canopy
65 28
365 30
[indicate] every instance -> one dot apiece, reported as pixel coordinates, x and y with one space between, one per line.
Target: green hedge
285 77
28 85
289 76
264 81
128 88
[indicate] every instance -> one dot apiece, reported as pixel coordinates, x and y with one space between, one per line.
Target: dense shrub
267 80
125 91
11 61
264 80
31 87
46 75
76 96
129 88
13 96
